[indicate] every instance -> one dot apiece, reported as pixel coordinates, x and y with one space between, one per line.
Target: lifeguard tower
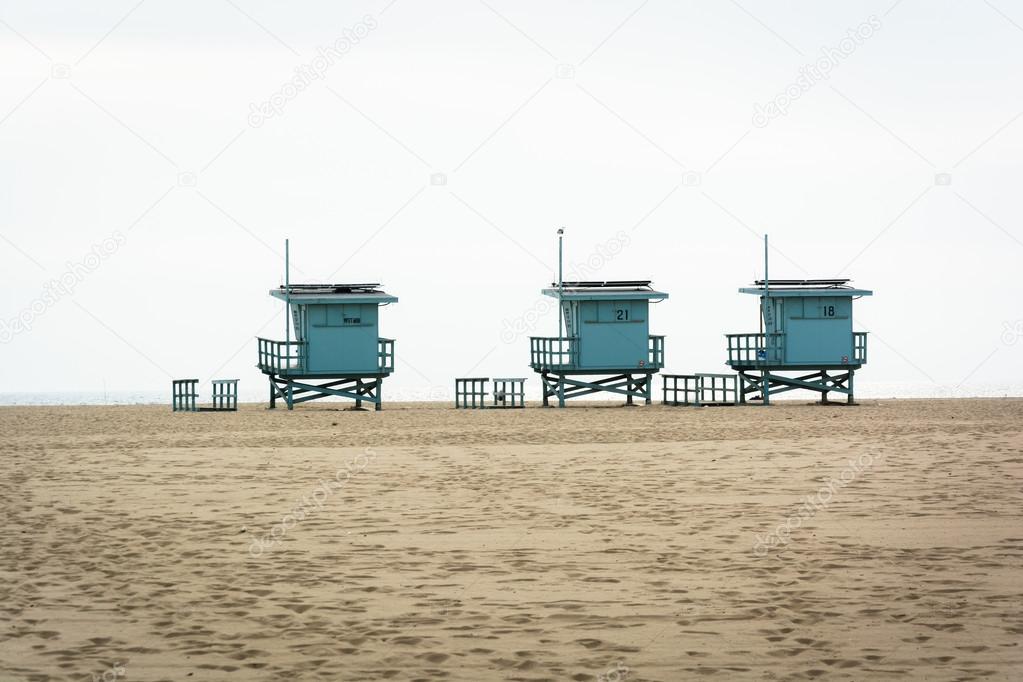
606 344
337 350
807 331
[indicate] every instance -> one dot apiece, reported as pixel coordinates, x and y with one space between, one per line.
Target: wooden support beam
565 387
354 388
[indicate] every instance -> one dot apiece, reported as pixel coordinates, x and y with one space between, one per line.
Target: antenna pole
561 281
767 292
287 299
768 354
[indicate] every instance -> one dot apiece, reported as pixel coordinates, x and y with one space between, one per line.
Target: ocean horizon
864 391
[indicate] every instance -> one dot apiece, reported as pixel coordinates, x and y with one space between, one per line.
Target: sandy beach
883 541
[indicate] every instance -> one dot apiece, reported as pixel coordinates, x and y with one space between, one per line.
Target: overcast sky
154 155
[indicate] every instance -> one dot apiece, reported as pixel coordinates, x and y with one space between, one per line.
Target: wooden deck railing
562 353
753 349
385 355
280 356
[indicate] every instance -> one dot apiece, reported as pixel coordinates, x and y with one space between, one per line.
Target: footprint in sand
434 657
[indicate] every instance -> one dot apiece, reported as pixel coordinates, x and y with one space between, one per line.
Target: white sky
105 110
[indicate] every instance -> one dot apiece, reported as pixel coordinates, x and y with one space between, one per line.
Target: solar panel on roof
628 283
369 288
605 284
803 282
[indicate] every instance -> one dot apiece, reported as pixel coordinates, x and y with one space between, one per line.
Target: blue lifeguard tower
606 344
337 350
807 331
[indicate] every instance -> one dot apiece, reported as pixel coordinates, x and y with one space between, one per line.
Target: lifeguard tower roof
333 293
618 290
804 287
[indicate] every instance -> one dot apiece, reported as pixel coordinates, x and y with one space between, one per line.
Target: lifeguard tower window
814 308
615 311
